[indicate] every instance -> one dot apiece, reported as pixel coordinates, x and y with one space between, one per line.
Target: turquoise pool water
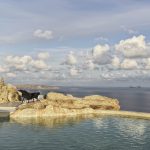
107 133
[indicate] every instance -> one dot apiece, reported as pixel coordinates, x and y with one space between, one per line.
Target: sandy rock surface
57 104
8 93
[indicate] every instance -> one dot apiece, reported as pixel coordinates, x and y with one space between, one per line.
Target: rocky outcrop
8 92
57 105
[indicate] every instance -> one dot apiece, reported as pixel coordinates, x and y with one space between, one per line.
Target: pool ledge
6 111
129 114
120 113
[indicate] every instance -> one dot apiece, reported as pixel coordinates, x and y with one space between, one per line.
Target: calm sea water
83 133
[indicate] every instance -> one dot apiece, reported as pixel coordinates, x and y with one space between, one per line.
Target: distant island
135 87
36 87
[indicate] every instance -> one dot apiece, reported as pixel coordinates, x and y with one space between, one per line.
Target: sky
75 42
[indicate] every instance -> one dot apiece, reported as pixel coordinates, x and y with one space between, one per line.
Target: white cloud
11 75
129 64
90 65
18 62
116 62
133 47
73 71
25 63
3 69
101 63
101 54
39 64
147 65
43 55
71 59
99 50
101 38
47 34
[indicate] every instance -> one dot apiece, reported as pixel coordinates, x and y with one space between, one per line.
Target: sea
83 133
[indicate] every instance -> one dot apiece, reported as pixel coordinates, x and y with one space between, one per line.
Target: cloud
90 65
43 55
11 75
102 63
76 24
39 64
71 59
133 47
18 59
101 39
20 63
129 64
116 62
99 50
147 63
3 69
26 63
47 34
128 30
73 71
101 54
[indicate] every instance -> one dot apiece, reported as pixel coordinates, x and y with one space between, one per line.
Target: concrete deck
5 111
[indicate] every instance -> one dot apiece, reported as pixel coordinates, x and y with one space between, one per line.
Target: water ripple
76 134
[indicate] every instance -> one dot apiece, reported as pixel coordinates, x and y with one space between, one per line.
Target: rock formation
58 105
8 92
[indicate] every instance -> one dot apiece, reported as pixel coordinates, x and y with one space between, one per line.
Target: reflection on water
99 123
128 127
79 133
52 122
132 128
3 121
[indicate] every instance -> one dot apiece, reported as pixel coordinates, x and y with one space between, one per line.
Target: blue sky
75 42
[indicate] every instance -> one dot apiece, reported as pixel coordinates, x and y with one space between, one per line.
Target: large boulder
57 104
59 97
8 93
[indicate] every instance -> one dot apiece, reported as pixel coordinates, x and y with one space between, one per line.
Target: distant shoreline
36 87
